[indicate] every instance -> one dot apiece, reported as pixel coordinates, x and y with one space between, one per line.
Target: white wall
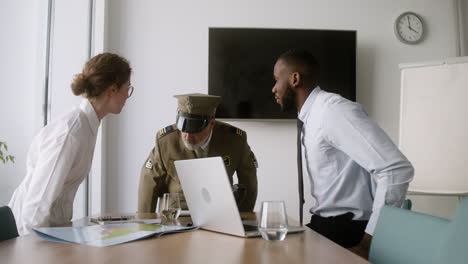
20 100
167 44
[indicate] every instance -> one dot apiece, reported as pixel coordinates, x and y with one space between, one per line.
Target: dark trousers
341 229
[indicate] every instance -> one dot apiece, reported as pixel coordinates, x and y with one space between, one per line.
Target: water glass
273 224
170 206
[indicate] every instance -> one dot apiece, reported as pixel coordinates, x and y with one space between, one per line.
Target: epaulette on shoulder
165 131
237 131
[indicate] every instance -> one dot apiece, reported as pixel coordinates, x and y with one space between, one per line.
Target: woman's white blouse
59 159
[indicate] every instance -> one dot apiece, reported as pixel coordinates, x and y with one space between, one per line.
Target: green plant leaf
4 157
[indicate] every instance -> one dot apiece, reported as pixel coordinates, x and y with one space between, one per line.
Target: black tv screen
241 64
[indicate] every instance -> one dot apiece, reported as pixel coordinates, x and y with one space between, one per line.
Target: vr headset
190 123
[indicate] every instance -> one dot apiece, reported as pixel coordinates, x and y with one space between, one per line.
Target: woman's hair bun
81 85
99 73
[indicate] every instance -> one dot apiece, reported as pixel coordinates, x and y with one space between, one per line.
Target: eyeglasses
130 91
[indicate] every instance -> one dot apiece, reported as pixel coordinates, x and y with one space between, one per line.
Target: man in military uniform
197 134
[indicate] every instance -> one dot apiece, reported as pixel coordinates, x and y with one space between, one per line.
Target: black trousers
341 229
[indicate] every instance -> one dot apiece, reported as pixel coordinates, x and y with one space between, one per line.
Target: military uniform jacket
158 175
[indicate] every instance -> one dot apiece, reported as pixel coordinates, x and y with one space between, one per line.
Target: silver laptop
210 199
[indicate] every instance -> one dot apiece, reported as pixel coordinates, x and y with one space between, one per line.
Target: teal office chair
7 224
454 247
403 236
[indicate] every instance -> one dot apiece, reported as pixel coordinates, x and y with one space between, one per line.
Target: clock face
409 28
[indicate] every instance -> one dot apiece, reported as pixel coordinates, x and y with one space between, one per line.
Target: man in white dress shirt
353 166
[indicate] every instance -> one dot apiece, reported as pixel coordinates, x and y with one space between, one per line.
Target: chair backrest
454 247
403 236
7 224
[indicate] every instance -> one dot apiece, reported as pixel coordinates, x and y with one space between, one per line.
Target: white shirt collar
305 110
91 114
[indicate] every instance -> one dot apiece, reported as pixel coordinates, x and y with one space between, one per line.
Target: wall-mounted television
241 64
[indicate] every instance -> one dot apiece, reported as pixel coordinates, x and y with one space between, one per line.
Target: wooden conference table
198 246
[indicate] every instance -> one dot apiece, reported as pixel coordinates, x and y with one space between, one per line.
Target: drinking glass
170 206
273 223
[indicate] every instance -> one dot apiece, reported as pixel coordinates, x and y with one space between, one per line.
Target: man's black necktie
299 169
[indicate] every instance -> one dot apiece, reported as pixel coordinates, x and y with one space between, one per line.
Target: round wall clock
409 28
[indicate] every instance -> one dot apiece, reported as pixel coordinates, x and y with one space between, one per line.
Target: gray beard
195 146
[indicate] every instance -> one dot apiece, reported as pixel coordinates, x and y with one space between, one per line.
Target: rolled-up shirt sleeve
349 129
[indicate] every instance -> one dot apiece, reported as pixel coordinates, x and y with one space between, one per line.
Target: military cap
194 111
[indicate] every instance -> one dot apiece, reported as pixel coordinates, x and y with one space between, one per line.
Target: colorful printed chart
107 235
